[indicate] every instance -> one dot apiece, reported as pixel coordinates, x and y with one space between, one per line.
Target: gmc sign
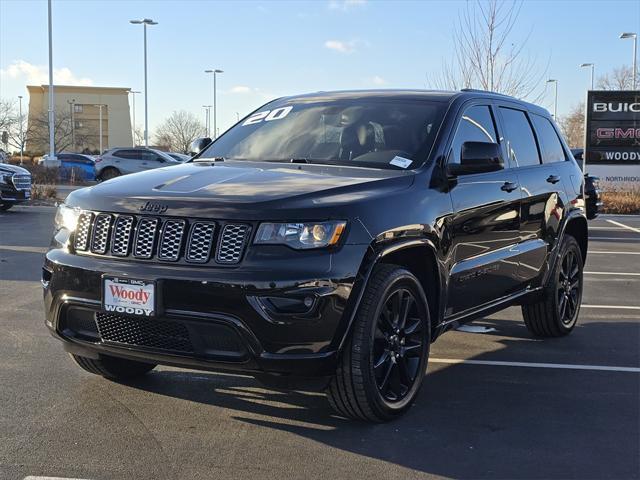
613 128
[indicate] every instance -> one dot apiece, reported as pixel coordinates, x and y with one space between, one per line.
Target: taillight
98 159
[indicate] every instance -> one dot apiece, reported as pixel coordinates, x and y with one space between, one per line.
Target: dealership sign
612 146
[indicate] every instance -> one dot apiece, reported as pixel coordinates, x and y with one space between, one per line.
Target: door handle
553 179
509 186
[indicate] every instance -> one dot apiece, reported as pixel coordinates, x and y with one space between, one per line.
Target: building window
78 124
77 108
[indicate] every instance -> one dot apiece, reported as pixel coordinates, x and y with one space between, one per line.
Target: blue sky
273 48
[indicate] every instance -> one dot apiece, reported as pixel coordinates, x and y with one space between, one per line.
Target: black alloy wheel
398 345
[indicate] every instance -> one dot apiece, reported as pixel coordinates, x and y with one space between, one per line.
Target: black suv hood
7 168
199 188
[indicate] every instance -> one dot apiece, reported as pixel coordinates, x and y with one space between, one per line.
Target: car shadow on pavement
469 421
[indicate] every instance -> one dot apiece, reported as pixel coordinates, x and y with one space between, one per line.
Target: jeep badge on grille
153 207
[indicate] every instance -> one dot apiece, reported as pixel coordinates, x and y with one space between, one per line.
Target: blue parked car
82 166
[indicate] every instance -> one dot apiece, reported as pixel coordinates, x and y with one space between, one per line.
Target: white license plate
126 295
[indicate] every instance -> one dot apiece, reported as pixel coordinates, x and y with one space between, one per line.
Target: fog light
308 302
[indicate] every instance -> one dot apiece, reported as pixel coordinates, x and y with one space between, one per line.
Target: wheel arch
403 254
576 226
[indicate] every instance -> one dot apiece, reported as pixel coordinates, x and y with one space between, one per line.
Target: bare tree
38 132
618 79
10 122
485 55
179 130
572 126
138 136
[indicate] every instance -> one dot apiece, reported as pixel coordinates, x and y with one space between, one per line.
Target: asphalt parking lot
496 403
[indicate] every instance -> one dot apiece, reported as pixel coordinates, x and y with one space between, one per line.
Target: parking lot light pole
207 119
592 65
100 125
133 130
52 116
215 114
73 123
634 72
555 101
145 22
21 129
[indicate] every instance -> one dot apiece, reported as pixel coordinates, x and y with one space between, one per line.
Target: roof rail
477 90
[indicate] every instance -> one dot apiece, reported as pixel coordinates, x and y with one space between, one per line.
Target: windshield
380 132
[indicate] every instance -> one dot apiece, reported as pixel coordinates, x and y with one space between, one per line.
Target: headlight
300 235
5 177
67 217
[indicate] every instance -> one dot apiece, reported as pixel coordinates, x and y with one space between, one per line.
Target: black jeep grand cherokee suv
324 242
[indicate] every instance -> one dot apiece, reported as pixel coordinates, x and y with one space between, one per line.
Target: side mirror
477 157
199 144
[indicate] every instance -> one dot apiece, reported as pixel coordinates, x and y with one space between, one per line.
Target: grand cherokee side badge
153 207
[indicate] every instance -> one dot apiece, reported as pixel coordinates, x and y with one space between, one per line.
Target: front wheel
384 362
5 206
556 313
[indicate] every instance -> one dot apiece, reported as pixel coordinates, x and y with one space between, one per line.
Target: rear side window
521 144
128 154
551 145
476 125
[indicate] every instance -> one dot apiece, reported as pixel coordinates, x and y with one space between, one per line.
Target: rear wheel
113 368
556 314
383 363
109 173
5 206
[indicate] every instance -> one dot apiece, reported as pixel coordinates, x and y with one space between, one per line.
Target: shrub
43 192
621 201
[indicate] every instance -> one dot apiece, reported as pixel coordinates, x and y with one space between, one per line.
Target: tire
5 206
556 313
360 390
113 368
109 173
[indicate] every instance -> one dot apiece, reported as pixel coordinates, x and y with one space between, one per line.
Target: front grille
145 238
151 333
122 236
161 239
100 235
200 240
171 240
21 181
232 243
83 229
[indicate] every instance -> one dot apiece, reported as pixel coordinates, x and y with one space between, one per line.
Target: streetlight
207 121
100 125
52 117
555 102
133 130
145 22
635 50
592 65
215 116
21 134
73 123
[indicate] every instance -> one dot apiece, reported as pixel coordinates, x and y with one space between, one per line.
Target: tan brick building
77 117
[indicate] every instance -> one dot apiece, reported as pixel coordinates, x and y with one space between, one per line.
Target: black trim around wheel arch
369 263
574 216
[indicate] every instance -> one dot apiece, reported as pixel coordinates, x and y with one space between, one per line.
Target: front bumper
220 313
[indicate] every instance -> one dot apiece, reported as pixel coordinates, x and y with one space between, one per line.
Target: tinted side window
521 144
476 125
120 154
553 151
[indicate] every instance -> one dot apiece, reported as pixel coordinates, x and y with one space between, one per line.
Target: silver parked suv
120 161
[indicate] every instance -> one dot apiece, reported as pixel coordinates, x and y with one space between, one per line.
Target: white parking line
607 228
610 238
614 273
564 366
633 229
608 252
31 477
612 307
